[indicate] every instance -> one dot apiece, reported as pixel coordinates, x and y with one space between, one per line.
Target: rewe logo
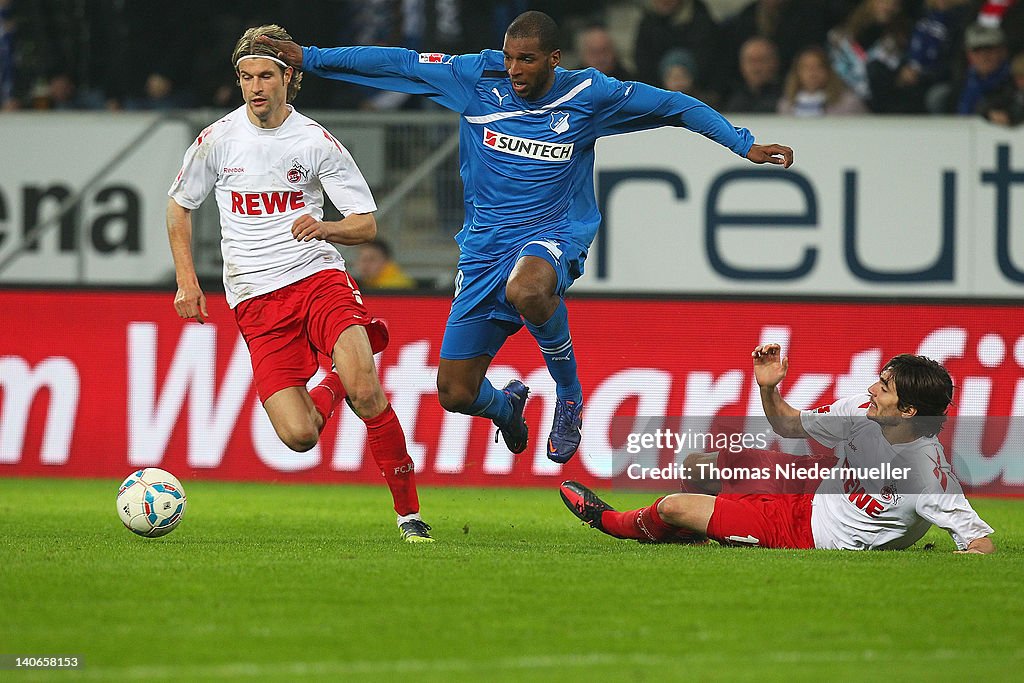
523 147
861 498
260 203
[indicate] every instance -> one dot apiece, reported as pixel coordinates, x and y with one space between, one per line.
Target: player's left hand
306 228
771 154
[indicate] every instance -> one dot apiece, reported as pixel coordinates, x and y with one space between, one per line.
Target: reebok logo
523 147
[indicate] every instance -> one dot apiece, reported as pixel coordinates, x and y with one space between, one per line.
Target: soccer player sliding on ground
269 167
891 429
527 134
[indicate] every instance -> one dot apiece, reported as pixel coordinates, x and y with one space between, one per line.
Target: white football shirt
884 512
264 180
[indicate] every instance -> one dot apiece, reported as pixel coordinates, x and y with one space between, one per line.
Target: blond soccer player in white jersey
887 485
269 167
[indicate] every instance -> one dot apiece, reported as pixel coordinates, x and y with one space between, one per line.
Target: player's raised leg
468 347
296 419
533 289
463 387
299 416
353 358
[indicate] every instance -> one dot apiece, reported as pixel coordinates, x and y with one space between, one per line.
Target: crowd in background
793 57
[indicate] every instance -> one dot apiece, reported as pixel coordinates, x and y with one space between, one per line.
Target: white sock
402 519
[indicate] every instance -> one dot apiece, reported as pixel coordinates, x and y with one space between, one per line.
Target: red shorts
765 520
287 328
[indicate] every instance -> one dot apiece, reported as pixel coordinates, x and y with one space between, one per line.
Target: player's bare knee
526 294
672 507
299 439
678 510
454 397
367 399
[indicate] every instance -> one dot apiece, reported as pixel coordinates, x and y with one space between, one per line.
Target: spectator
988 69
1006 107
760 90
378 268
160 94
1005 14
679 73
791 24
814 89
668 24
930 55
597 49
63 94
871 43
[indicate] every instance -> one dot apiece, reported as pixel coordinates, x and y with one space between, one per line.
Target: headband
270 57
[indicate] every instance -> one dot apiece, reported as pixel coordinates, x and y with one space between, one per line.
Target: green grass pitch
296 582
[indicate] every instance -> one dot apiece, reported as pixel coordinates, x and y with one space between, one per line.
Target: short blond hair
247 45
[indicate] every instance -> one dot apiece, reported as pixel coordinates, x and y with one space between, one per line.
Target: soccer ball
151 502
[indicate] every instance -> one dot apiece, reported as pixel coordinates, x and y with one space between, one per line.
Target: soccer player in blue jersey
527 137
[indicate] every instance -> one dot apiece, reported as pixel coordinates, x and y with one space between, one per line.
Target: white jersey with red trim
264 180
861 509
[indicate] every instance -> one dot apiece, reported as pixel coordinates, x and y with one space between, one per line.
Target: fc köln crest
297 173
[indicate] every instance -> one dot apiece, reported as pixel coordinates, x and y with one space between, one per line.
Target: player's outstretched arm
770 368
288 51
771 154
355 228
979 546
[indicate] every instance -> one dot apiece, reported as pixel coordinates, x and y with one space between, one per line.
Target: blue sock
492 403
556 346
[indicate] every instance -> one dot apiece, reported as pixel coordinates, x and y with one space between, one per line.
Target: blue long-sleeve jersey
527 166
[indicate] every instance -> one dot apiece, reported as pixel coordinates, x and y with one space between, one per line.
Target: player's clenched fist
306 228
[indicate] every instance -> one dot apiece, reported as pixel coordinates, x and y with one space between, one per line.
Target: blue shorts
481 318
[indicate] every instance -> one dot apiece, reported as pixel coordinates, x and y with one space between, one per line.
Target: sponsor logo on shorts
524 147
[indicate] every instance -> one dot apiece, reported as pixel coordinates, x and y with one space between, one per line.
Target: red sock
644 524
387 446
327 395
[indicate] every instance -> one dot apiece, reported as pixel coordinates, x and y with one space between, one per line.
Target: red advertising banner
97 384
